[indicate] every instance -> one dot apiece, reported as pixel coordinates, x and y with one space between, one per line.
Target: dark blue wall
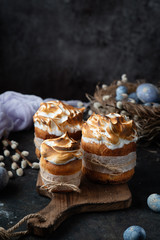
62 48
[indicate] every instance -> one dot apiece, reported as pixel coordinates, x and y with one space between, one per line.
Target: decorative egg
147 104
134 233
121 89
153 202
3 178
133 95
147 92
119 97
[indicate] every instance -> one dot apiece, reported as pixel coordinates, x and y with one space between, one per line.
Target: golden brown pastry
53 119
109 148
60 164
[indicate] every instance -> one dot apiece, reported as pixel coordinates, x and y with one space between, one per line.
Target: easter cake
109 148
60 164
53 119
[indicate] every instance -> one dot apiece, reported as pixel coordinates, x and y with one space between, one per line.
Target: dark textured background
62 48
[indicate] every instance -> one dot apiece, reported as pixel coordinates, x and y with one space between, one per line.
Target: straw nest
146 118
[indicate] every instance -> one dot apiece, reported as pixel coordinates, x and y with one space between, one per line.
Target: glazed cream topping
56 118
113 130
60 150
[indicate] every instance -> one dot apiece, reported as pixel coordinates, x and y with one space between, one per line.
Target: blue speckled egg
153 202
147 104
134 233
3 178
121 89
133 95
119 97
147 92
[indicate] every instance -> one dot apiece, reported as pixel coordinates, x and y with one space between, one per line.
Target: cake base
93 197
104 178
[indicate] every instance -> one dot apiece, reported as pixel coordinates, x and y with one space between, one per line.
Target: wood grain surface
93 197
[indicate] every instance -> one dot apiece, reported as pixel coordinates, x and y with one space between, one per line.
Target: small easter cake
109 148
53 119
60 164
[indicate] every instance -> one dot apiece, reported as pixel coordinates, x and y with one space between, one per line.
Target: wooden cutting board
93 197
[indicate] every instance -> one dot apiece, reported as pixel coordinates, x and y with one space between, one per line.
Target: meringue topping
60 150
57 117
113 130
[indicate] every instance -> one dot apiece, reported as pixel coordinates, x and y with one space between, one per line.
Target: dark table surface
20 198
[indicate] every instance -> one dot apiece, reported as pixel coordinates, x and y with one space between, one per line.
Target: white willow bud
18 155
23 164
131 100
119 82
2 164
13 146
124 78
15 158
105 97
10 174
35 165
123 112
96 105
104 87
119 105
1 157
14 166
90 112
19 172
6 153
25 153
5 143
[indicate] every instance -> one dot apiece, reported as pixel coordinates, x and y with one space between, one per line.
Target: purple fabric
16 111
6 124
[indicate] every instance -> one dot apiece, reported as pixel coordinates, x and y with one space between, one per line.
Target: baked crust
108 178
102 150
65 169
37 152
45 135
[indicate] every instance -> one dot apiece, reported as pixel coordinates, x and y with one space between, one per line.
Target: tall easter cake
53 119
109 148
